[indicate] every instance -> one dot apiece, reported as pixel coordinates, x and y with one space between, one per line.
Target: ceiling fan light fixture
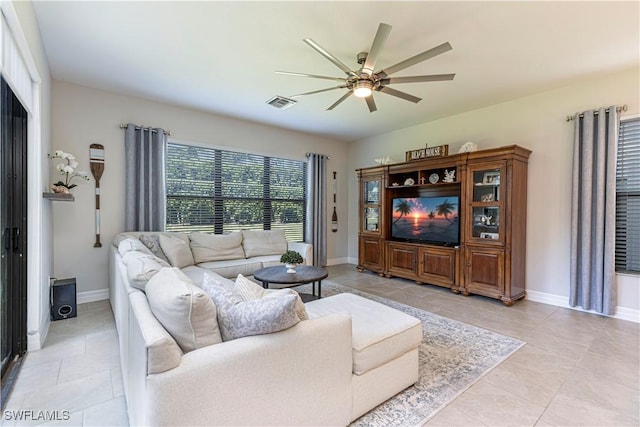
363 88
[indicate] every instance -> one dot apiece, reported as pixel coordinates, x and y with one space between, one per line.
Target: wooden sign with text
423 153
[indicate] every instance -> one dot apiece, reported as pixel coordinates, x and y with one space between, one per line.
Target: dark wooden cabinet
371 254
496 224
489 257
401 260
437 266
371 251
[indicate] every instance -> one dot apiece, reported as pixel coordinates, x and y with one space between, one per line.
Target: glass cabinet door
371 192
485 204
371 204
371 219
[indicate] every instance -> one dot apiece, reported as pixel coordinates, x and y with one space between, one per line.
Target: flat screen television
431 219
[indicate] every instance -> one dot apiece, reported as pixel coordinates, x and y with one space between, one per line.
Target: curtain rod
618 109
124 126
328 157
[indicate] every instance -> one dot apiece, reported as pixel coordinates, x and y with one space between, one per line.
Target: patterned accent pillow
152 241
250 290
238 318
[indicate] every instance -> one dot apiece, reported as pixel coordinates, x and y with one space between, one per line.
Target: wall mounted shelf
60 197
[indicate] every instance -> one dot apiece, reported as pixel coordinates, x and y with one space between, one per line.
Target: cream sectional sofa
349 356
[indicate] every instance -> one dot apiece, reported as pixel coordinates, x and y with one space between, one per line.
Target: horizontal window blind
628 197
219 191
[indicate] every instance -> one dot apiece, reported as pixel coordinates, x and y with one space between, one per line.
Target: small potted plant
290 260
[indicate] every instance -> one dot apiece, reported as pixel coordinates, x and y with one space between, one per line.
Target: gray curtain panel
316 226
593 211
146 201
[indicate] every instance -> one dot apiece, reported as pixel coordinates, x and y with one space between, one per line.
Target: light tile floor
576 369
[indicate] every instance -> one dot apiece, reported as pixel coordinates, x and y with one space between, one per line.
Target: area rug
453 356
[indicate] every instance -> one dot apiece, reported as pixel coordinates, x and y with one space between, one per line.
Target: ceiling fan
364 81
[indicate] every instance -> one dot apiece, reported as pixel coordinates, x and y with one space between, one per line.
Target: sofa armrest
304 249
300 376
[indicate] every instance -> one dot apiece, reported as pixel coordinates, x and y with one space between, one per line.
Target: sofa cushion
141 267
231 268
152 241
380 333
264 242
216 247
163 353
176 248
132 244
250 290
185 310
238 318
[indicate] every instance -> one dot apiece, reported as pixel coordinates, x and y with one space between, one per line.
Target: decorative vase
60 189
291 268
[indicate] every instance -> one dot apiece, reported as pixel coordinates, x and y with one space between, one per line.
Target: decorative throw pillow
216 247
185 310
264 242
132 244
177 250
141 267
238 318
250 290
152 241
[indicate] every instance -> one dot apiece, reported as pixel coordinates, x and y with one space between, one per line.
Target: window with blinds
628 198
219 191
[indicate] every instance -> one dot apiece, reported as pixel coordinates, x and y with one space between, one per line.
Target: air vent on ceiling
281 102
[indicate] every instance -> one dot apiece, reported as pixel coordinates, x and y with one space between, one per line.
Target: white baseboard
623 313
337 261
35 339
91 296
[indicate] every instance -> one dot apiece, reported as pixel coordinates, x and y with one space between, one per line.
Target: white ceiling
220 57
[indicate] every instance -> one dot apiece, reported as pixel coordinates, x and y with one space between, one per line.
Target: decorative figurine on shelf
486 219
449 176
409 181
383 160
468 147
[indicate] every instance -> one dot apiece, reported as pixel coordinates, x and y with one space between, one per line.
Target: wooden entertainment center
488 257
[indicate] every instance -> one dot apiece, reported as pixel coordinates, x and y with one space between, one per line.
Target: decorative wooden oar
96 162
334 216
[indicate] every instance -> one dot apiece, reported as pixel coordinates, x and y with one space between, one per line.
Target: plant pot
291 268
60 189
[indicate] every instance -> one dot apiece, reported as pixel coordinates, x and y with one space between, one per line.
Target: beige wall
536 122
82 116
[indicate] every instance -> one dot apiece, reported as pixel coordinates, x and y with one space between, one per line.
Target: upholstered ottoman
385 347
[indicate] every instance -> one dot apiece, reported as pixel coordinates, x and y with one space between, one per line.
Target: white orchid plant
68 169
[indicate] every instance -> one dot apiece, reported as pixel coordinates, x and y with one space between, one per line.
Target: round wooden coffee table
304 274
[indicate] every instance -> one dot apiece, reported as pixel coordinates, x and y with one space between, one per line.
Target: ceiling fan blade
335 104
329 56
399 94
427 54
371 104
417 79
319 91
378 43
289 73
